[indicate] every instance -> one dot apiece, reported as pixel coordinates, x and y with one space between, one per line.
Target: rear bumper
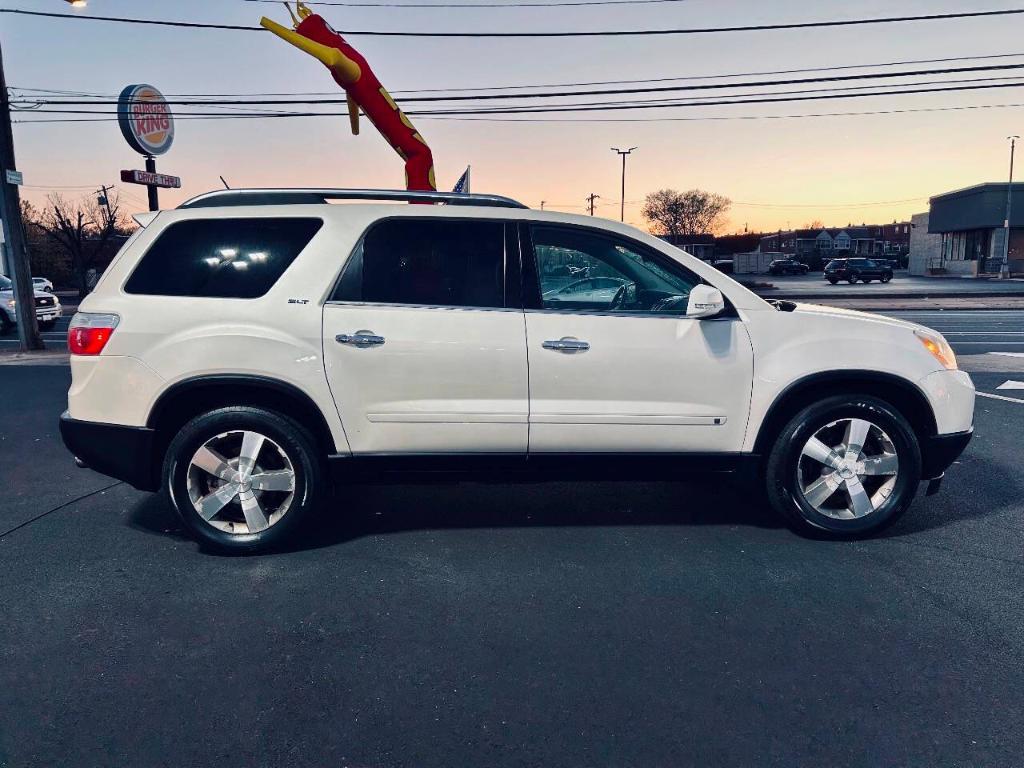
939 451
124 453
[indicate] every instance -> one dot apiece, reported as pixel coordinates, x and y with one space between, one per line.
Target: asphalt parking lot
628 624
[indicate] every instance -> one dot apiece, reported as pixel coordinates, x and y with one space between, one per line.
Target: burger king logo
145 119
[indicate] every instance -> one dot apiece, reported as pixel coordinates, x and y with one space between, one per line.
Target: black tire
6 324
47 325
886 277
833 280
852 278
293 440
781 475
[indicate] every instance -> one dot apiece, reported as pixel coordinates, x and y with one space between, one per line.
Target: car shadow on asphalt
370 509
359 510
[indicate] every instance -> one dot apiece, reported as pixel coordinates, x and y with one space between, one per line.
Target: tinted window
580 269
434 262
225 258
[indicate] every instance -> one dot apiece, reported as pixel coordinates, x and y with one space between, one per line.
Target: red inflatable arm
316 37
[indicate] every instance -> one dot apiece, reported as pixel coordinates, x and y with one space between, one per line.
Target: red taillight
89 332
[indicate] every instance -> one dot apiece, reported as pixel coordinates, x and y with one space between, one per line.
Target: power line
686 101
705 118
601 33
723 102
553 120
828 205
483 5
761 73
559 94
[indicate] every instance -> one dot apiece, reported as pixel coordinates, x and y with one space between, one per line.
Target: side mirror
705 302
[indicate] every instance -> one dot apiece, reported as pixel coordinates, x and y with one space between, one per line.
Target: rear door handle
566 345
359 339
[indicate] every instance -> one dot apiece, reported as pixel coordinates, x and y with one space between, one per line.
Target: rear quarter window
221 258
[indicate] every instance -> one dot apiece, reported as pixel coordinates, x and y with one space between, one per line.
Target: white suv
246 348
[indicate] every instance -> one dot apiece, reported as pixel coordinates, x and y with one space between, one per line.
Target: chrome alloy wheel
848 469
241 482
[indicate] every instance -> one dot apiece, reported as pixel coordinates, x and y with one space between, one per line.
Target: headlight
939 348
11 303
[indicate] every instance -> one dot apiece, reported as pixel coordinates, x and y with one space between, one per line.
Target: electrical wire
481 5
596 33
561 94
762 73
564 120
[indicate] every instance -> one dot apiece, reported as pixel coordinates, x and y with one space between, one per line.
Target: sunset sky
778 172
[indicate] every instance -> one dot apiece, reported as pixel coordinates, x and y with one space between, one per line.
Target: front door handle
566 345
360 339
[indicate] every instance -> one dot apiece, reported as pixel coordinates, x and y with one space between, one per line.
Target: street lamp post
1005 269
622 203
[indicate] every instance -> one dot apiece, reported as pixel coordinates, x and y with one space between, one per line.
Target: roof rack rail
313 196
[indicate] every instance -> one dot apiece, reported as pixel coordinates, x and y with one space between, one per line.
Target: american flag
462 185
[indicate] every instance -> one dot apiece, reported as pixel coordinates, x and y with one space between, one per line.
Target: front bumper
122 452
939 451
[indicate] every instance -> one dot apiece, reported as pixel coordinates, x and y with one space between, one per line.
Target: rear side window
433 262
223 258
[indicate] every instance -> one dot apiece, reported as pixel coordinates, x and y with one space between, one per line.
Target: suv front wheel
844 467
241 479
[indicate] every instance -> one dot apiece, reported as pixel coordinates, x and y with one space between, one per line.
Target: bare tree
82 231
695 212
814 224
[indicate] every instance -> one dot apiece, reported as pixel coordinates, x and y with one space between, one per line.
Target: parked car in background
787 267
853 270
353 339
48 307
594 292
42 284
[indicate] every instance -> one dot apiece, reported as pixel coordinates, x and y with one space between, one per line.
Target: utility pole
590 201
1004 271
104 199
14 231
542 204
622 204
152 189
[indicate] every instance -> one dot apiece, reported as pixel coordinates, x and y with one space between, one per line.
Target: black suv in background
853 270
787 267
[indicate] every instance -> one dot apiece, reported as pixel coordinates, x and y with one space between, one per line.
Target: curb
43 357
791 296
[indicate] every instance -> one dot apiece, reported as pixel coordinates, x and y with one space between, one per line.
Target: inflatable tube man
316 37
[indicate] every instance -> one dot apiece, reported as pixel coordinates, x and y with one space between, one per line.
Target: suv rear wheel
853 278
846 466
886 277
241 479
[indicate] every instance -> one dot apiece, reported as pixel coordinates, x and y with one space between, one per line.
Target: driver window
581 269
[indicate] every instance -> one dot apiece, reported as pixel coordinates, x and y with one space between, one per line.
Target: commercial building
970 225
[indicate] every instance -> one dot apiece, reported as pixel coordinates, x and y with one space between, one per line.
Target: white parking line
1000 397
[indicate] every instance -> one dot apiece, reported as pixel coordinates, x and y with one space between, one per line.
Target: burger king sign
145 119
